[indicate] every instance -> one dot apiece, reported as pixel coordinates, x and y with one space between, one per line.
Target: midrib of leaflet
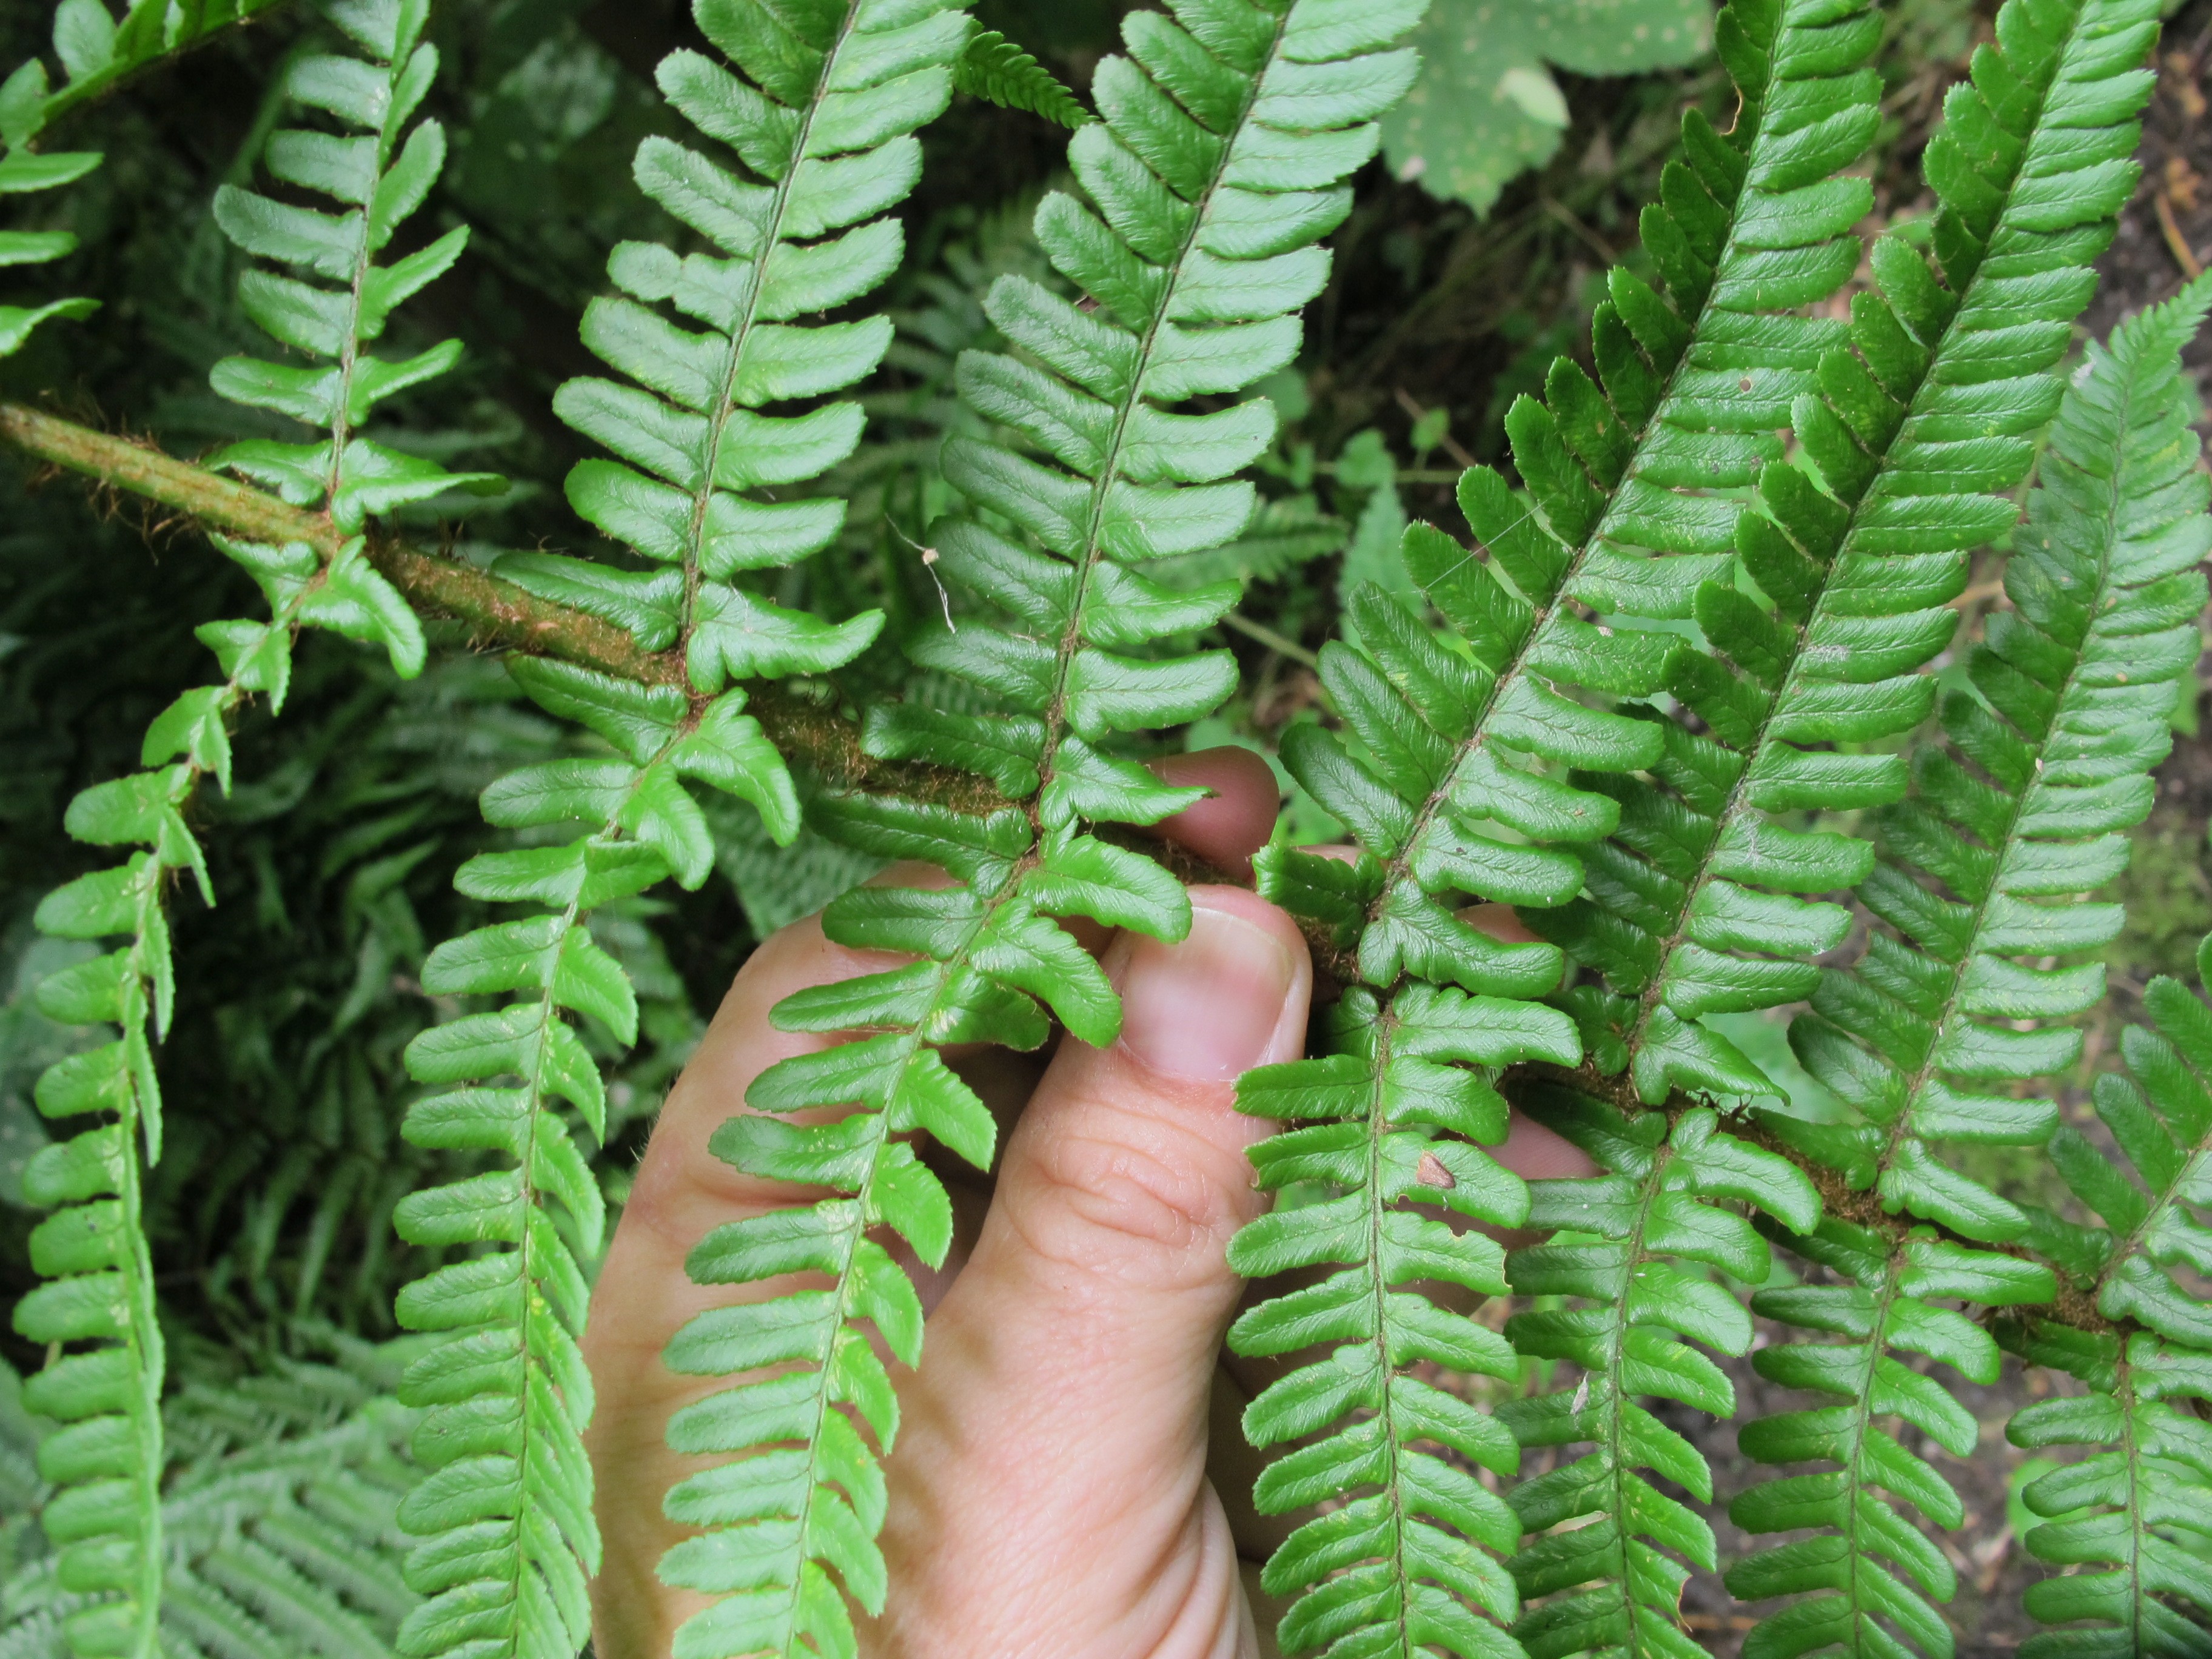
718 418
1737 805
1546 610
1616 1349
1398 867
349 338
1386 1026
1856 1478
1901 1129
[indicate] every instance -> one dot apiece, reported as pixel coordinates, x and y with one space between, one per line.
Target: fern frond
1917 424
2139 1505
826 120
379 171
94 52
24 99
1214 169
1000 71
93 1250
1866 1563
2140 1266
1653 1209
1453 794
1610 523
1408 1554
505 1511
2042 773
825 115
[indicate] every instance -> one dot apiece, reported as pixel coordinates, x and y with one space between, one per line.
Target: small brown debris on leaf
1431 1172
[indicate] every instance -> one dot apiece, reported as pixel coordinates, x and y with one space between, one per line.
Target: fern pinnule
1214 168
23 173
2046 764
277 1536
504 1513
1456 790
1000 71
379 170
95 50
93 1250
2075 683
2140 1507
823 115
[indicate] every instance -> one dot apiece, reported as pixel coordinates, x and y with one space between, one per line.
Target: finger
1061 1421
1235 821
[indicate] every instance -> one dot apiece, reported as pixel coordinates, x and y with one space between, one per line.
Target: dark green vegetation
1799 606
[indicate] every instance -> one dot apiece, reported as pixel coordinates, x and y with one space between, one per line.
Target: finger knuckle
1101 1198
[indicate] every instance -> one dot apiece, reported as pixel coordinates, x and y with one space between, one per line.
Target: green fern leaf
1216 167
379 174
93 1250
2137 1505
278 1526
24 97
1870 1571
1916 422
2027 802
94 52
1414 1547
999 71
2121 1507
2077 681
1442 797
2160 1117
825 115
1653 1209
505 1511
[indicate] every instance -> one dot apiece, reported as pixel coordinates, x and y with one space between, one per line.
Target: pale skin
1068 1482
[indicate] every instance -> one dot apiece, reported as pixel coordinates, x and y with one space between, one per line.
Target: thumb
1057 1428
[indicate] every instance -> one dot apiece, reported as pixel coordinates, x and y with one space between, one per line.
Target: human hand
1050 1495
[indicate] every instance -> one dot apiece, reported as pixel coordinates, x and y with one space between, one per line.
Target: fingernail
1205 1009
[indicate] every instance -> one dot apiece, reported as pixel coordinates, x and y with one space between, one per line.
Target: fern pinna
110 1457
2141 1505
2043 770
1215 167
1446 801
378 170
823 115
